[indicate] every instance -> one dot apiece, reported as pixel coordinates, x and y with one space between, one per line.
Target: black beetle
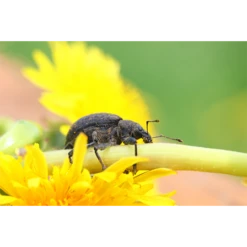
104 129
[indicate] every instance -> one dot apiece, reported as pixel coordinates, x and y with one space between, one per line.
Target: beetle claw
134 171
70 154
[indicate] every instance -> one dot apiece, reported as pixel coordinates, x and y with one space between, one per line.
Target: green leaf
5 124
19 135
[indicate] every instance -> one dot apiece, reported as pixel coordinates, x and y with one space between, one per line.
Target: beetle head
139 132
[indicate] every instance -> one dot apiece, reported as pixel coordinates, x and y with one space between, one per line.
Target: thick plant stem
173 156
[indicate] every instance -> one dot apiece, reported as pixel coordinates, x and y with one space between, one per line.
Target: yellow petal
78 157
63 104
153 174
53 202
156 201
80 149
61 182
124 163
33 182
65 167
34 76
143 189
85 176
125 181
78 189
35 162
45 66
64 129
10 167
106 176
43 62
139 172
4 200
60 54
172 193
20 189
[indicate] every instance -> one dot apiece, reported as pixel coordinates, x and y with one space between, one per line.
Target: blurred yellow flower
72 185
82 80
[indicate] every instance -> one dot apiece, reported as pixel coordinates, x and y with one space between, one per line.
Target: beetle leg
135 166
97 146
100 160
91 144
70 154
134 169
127 139
68 146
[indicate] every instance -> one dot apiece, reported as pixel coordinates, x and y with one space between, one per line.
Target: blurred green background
198 90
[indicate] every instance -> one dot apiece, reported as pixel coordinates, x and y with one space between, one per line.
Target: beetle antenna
152 121
174 139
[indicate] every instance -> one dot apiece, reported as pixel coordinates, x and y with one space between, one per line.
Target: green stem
173 156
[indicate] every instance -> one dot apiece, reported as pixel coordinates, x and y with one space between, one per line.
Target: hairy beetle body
103 130
102 123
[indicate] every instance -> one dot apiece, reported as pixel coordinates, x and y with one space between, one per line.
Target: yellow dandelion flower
26 181
82 80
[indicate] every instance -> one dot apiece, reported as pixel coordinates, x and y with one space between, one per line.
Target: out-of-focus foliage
198 90
21 133
5 124
53 138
